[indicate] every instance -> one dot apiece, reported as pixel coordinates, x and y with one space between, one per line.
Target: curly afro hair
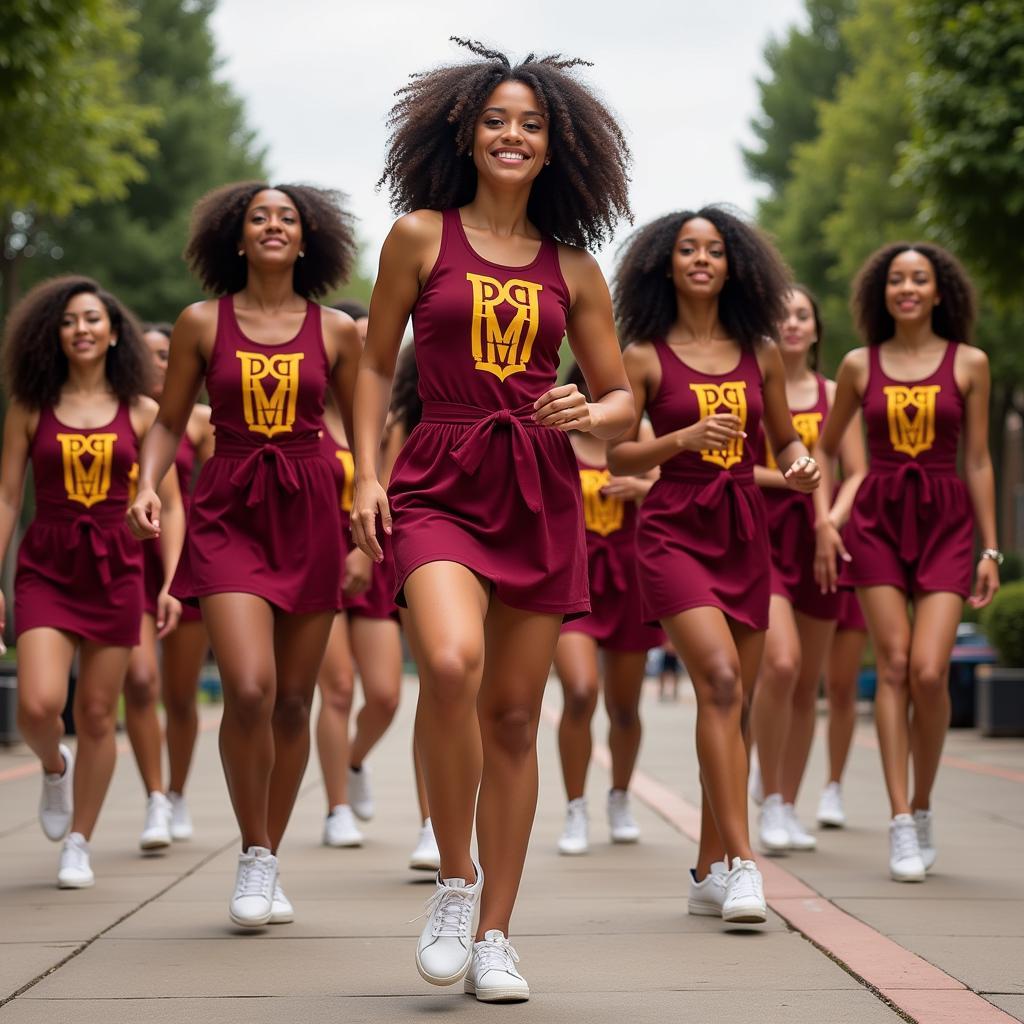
327 230
406 406
35 366
952 318
577 199
751 304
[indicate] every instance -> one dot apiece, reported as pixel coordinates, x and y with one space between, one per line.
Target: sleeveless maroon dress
912 524
791 522
184 463
615 621
256 523
702 535
79 568
478 482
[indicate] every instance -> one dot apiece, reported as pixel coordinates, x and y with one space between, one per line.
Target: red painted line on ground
993 771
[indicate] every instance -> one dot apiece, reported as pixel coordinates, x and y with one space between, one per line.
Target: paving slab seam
874 960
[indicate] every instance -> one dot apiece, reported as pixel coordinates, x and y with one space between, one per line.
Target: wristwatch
994 554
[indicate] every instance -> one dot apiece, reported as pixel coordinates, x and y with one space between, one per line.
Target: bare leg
577 668
336 681
44 666
141 694
184 651
841 686
377 649
623 684
417 766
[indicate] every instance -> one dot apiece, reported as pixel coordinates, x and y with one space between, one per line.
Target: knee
448 673
336 693
723 687
512 729
179 705
892 667
622 716
249 703
928 681
291 713
141 686
35 712
385 704
781 669
94 718
580 699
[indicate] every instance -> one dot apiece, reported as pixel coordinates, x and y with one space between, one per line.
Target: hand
358 568
168 612
828 544
3 622
986 583
144 515
803 475
564 408
713 433
628 488
369 499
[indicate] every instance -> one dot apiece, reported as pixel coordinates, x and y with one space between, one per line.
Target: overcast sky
318 78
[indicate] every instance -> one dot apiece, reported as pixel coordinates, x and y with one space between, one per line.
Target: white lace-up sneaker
426 856
621 824
574 839
340 828
360 796
156 833
253 901
799 837
181 820
74 871
55 801
282 911
923 821
707 896
905 862
493 976
830 807
755 785
744 901
772 830
445 948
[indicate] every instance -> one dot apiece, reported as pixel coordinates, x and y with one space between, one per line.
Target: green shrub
1012 567
1004 624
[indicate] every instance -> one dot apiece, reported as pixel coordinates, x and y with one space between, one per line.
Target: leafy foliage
1004 624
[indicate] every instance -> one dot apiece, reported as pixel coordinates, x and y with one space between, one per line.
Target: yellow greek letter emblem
275 413
730 397
911 434
87 483
348 463
807 425
601 515
504 351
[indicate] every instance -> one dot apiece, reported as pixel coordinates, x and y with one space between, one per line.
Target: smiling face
85 331
799 331
699 263
911 291
510 141
271 230
159 346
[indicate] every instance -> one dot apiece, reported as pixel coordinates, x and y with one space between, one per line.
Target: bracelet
994 554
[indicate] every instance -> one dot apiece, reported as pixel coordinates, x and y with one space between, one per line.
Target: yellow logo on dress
807 425
601 515
730 397
348 465
87 482
504 351
274 413
911 412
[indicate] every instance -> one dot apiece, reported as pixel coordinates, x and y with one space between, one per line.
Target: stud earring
241 252
301 253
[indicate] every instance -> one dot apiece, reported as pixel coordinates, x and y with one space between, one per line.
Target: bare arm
19 428
204 442
798 469
853 460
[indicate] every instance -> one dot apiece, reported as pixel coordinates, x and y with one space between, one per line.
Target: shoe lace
53 796
793 822
744 882
904 841
923 825
576 822
496 955
450 908
255 876
75 857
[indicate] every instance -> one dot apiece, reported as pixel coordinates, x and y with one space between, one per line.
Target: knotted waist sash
90 529
908 497
266 466
726 493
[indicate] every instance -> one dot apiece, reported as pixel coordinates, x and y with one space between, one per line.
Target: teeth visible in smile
508 155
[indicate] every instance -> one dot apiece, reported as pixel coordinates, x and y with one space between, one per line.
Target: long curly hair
577 199
406 407
35 366
751 304
328 238
952 318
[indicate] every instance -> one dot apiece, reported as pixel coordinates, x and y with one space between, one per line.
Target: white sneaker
755 785
360 797
707 896
492 975
181 820
74 871
744 894
340 828
426 856
772 830
905 862
445 948
923 821
253 901
156 833
830 807
55 801
621 824
574 836
799 837
282 911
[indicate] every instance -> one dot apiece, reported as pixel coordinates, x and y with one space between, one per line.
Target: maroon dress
791 522
912 524
478 482
256 523
184 463
615 621
79 569
702 535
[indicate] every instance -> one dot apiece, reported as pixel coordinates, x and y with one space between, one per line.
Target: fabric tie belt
908 495
605 568
266 464
471 449
725 489
91 530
